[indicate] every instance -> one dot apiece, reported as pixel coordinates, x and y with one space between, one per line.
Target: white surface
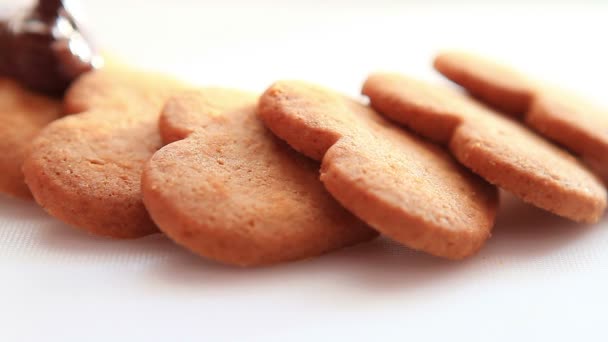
539 277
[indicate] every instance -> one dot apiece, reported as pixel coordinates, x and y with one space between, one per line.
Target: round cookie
85 169
233 192
574 123
406 188
558 115
191 110
22 115
492 83
497 148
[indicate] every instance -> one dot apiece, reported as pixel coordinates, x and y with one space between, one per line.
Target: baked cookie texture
406 188
497 148
23 114
85 169
559 115
229 190
192 110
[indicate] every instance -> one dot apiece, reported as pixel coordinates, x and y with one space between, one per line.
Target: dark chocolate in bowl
43 48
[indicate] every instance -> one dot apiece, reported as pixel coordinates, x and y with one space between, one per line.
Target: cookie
85 169
406 188
574 123
191 110
227 189
495 147
23 114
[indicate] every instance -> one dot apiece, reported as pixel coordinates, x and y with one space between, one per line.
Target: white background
539 277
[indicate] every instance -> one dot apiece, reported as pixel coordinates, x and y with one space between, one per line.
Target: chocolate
43 48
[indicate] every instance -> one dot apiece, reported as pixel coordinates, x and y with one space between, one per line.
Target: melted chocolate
43 48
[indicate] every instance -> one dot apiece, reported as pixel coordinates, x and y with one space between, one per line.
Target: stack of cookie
301 170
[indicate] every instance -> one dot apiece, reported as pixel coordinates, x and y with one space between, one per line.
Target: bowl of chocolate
43 48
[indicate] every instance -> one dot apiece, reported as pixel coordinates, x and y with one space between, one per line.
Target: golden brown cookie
497 148
406 188
233 192
556 114
85 169
22 115
191 110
